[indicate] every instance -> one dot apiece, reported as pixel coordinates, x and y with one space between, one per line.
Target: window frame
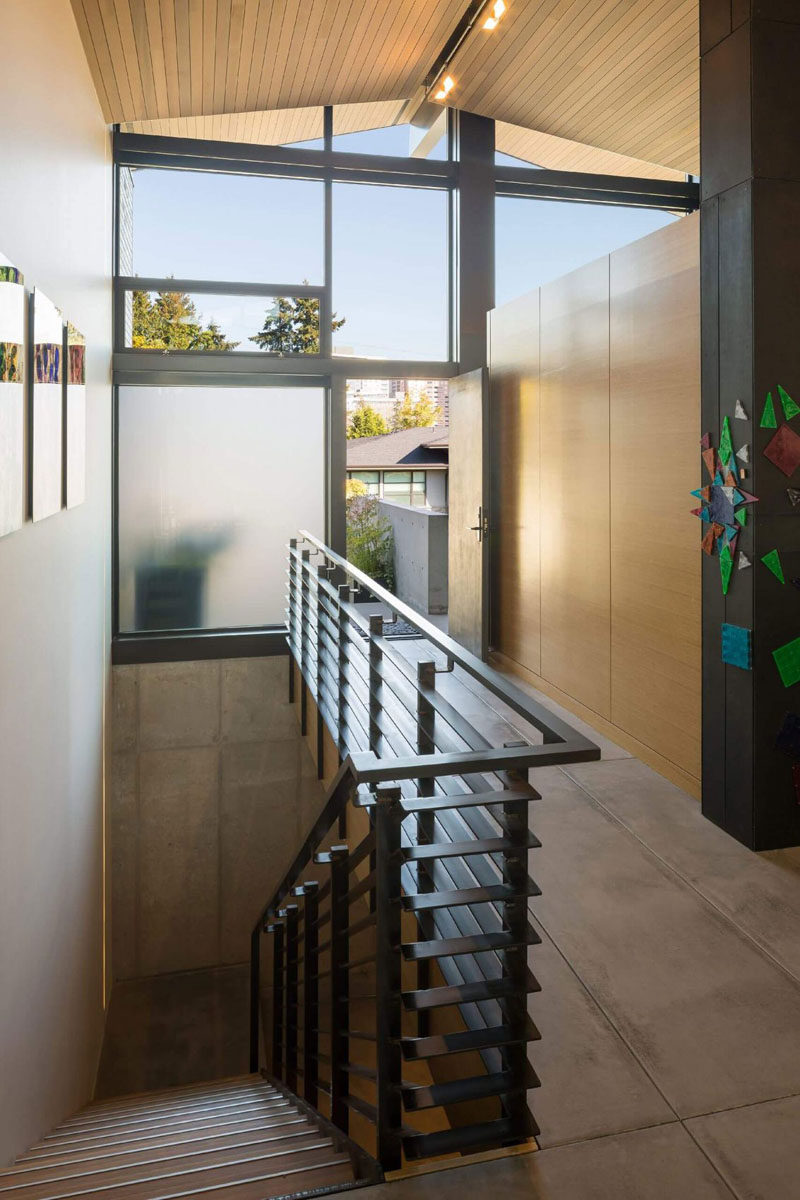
471 180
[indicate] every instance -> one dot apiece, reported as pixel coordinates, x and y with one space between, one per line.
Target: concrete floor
670 1002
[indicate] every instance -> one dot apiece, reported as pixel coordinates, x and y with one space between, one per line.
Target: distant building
407 467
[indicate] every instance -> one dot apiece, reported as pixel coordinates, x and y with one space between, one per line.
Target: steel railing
399 937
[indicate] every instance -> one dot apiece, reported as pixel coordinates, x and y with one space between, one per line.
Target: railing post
292 1009
426 678
344 638
322 570
310 994
277 1000
304 569
375 659
340 987
255 997
388 821
515 963
292 613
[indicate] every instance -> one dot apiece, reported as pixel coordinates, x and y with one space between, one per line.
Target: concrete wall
55 225
420 555
213 789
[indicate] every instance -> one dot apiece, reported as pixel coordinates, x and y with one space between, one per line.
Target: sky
389 260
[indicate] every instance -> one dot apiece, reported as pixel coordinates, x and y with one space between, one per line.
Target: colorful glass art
722 509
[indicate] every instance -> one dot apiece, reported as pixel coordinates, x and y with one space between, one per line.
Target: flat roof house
408 466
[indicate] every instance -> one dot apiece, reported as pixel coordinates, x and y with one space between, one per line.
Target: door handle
482 528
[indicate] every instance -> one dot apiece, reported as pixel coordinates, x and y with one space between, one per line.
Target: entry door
468 524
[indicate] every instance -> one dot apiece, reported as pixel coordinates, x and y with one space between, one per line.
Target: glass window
355 131
390 275
404 487
202 321
204 225
370 479
212 484
540 240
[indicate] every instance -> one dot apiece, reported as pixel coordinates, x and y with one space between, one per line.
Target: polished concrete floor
670 1002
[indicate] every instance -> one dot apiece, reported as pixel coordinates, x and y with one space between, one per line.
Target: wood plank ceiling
617 75
622 75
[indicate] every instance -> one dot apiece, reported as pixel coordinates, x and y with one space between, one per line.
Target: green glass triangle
725 444
741 516
768 415
790 409
773 562
725 567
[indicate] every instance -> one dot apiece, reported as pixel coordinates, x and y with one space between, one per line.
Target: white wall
55 210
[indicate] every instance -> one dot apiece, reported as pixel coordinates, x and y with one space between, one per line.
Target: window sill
195 646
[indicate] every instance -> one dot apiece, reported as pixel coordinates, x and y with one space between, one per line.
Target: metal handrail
552 728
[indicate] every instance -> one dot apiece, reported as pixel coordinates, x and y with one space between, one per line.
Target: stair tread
206 1087
262 1159
102 1112
85 1146
183 1182
133 1118
61 1137
166 1158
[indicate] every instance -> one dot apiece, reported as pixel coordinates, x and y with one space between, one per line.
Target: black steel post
304 569
388 821
277 1000
340 987
322 571
292 617
255 988
310 994
515 964
425 823
292 1008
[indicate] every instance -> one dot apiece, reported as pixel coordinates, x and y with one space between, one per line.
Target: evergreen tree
291 326
365 421
415 414
169 321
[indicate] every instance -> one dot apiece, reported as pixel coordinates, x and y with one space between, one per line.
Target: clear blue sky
390 273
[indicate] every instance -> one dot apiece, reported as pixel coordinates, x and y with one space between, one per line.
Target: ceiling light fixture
448 83
498 8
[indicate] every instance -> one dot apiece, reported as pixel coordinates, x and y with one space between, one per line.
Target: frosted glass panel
212 484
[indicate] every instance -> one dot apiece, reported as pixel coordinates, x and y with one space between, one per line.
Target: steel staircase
395 951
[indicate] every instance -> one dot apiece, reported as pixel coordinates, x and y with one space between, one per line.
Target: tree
352 487
169 321
291 326
415 414
370 541
366 421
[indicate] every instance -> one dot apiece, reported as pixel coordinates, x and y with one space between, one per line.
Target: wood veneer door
515 500
574 431
655 431
468 524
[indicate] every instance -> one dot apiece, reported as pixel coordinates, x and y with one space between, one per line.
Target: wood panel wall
595 385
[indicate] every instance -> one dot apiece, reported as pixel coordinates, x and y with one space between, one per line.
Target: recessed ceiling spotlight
448 83
498 8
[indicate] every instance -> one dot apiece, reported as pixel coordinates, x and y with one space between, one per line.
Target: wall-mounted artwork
47 412
75 419
12 398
